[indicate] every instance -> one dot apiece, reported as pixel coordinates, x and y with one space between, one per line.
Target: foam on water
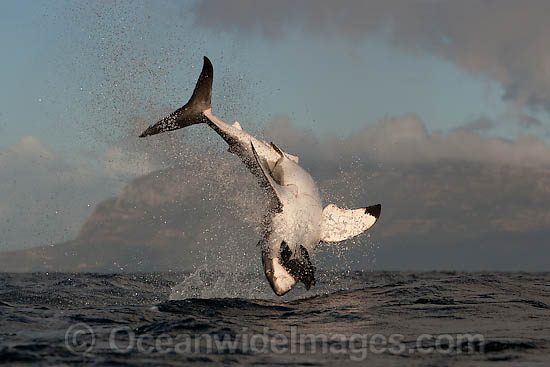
216 284
206 284
237 272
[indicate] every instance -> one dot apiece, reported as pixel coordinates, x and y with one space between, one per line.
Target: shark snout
279 278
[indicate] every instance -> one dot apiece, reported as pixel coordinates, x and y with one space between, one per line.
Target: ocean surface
371 318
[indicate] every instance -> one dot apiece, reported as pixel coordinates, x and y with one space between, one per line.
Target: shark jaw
278 277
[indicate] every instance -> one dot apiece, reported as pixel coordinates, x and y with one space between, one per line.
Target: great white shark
296 221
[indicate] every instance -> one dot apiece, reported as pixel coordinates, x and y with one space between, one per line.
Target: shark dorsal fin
284 154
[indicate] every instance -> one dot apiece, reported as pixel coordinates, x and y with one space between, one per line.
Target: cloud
405 139
120 162
455 201
527 121
503 40
168 219
31 147
47 196
443 196
479 125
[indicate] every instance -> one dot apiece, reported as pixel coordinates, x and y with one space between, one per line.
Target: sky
419 91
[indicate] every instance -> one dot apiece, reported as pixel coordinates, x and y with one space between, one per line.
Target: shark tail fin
192 112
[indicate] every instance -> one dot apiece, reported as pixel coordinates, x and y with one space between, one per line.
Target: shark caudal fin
192 112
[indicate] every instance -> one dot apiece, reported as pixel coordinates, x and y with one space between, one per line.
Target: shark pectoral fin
341 224
270 184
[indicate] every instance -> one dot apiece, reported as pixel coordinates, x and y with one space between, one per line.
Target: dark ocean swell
379 318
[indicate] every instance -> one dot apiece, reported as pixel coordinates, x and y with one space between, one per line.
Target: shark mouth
284 271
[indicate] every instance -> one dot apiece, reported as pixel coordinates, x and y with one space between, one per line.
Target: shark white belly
296 221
